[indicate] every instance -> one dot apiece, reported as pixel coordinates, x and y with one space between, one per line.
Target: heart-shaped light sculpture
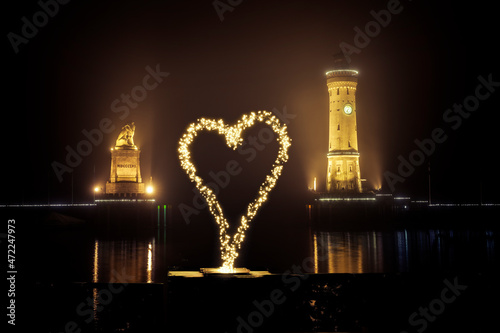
229 245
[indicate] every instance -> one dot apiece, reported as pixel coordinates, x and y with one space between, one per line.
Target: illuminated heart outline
230 245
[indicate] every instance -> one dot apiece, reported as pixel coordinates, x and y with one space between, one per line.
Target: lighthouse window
338 127
338 91
347 91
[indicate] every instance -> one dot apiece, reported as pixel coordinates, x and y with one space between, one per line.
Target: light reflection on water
402 251
116 259
119 262
145 261
348 252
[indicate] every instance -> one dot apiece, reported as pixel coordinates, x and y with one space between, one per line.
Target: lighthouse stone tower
343 174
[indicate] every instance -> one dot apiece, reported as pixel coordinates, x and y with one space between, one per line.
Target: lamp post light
97 189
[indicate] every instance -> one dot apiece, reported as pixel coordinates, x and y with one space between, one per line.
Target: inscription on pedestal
125 165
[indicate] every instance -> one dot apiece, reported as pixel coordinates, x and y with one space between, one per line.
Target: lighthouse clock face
348 109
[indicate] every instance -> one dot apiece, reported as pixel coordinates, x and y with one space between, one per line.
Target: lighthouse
343 173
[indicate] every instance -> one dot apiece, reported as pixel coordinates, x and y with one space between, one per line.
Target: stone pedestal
125 175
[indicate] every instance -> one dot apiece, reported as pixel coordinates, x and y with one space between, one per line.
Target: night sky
264 55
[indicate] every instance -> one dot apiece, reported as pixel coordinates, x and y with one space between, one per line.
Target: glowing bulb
149 189
229 245
96 189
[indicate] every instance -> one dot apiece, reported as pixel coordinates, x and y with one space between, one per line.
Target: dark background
263 55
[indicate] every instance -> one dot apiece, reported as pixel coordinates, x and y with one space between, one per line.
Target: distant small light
96 189
149 189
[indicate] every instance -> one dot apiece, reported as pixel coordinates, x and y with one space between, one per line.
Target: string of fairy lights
230 245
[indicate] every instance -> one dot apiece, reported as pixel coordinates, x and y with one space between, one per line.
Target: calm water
326 303
148 259
402 251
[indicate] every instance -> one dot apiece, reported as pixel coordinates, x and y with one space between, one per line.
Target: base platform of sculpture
217 272
235 271
125 189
